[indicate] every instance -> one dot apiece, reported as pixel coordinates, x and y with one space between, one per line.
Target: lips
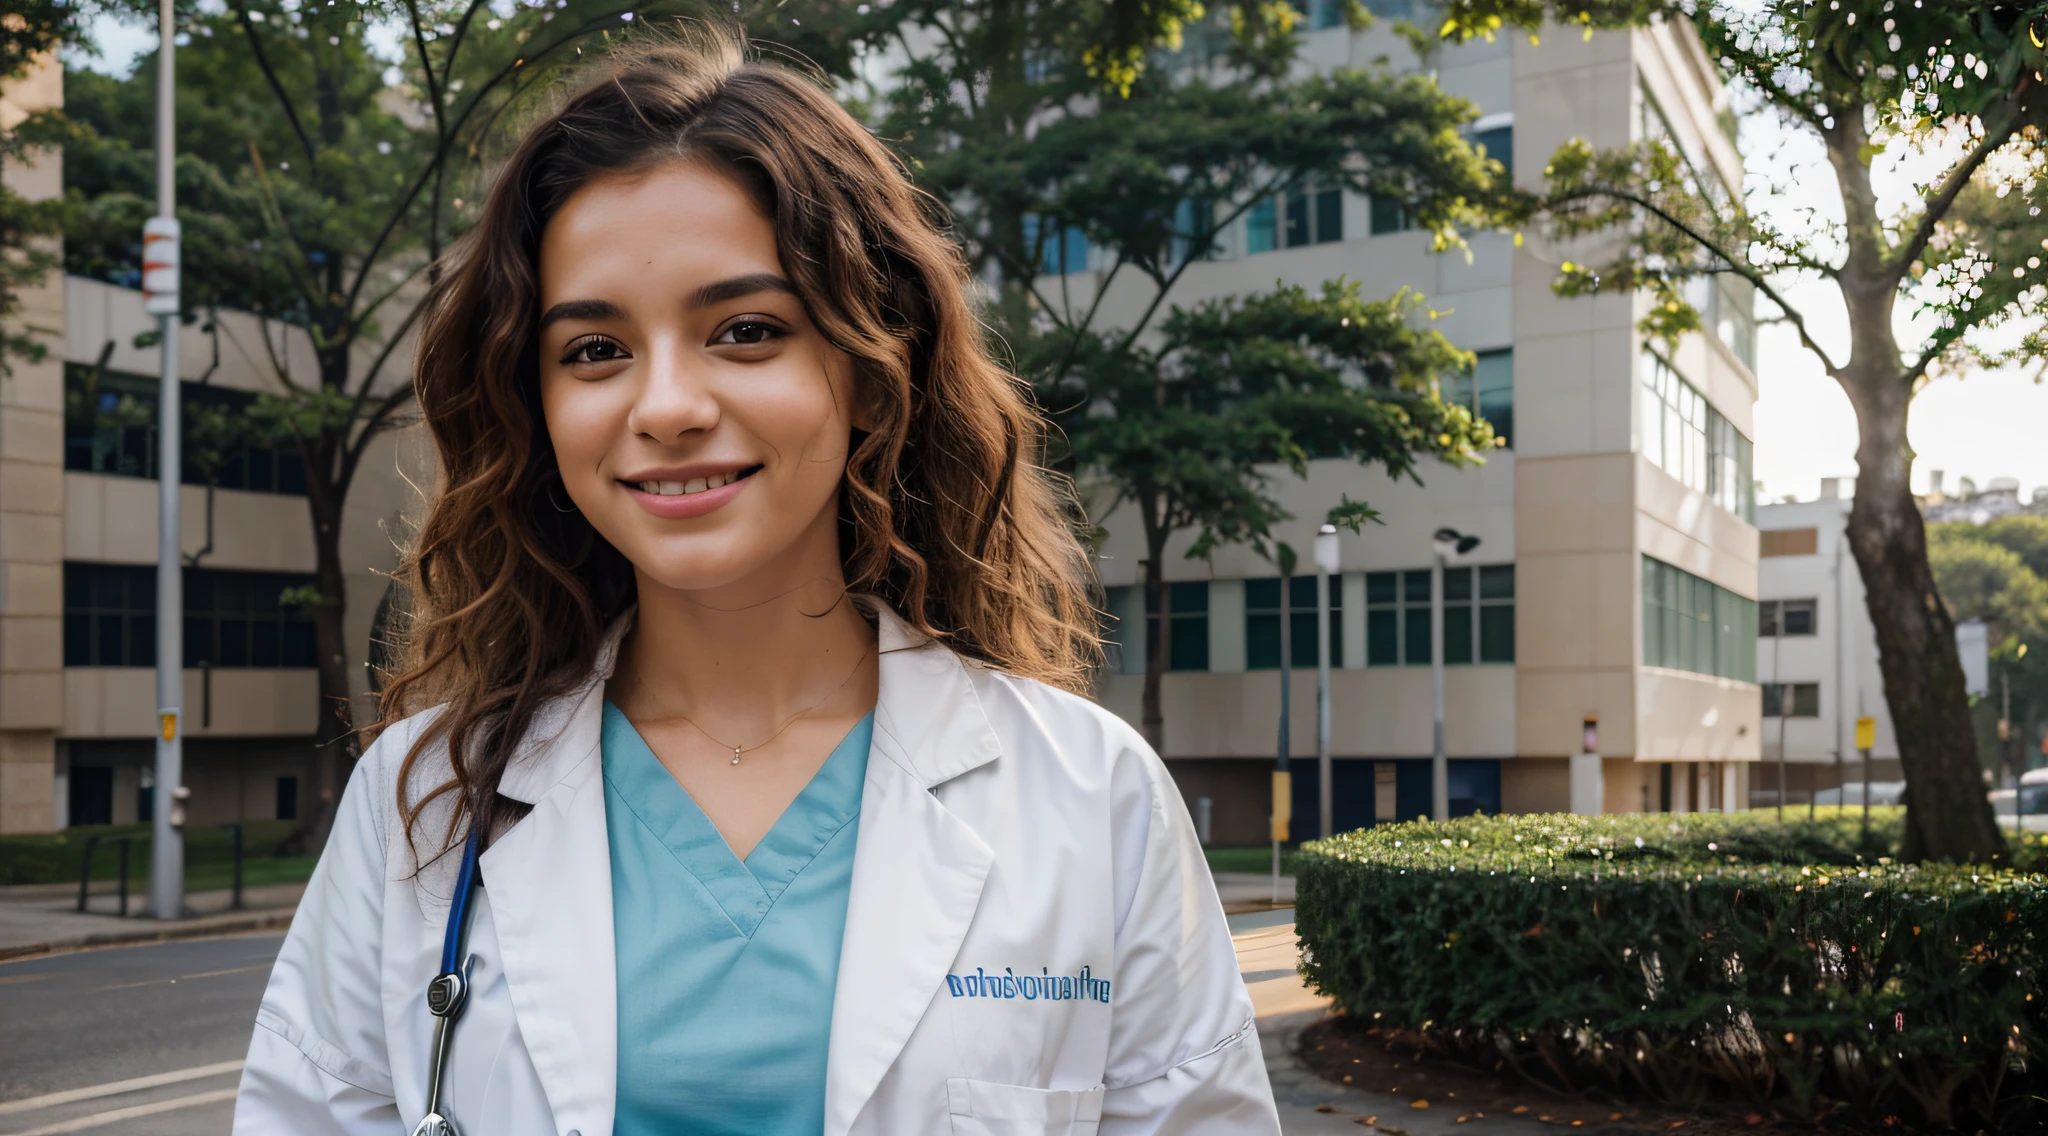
681 499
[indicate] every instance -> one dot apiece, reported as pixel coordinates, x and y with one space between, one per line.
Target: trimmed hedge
1694 957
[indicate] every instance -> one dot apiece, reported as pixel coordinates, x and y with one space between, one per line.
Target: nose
676 398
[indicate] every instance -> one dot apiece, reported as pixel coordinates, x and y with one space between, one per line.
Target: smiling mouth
694 485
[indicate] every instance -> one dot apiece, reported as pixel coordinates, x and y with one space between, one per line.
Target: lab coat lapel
918 870
548 878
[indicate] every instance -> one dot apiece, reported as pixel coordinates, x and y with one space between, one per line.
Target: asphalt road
135 1041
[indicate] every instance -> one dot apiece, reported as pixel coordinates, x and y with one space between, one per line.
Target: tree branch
1959 175
270 76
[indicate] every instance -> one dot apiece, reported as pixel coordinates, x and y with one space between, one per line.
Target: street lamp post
1326 566
160 299
1448 543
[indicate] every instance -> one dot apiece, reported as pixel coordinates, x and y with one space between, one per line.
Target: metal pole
1323 773
1286 562
1777 654
167 850
1439 766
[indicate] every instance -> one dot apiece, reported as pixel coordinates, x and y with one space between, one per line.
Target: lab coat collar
927 704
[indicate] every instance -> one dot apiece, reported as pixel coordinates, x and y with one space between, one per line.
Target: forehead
673 223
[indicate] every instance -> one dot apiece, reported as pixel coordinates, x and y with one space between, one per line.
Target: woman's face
701 422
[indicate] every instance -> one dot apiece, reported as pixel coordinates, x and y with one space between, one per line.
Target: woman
759 633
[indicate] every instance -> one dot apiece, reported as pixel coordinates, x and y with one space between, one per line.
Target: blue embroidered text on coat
1030 987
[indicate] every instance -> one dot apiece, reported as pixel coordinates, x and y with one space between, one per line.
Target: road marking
114 1088
99 1118
188 977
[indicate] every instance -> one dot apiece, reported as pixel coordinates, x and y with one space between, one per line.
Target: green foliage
1190 430
29 29
1998 572
1694 956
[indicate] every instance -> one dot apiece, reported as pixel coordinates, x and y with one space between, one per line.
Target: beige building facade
1611 600
78 545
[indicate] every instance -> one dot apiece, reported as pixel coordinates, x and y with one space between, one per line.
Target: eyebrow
739 286
582 309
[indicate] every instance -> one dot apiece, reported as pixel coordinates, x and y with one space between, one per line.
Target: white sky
1981 426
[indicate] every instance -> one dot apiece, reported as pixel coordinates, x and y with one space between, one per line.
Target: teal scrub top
726 968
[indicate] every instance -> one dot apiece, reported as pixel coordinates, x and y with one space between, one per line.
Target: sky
1981 425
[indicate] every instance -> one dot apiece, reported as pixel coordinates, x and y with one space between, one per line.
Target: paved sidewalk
40 920
1266 954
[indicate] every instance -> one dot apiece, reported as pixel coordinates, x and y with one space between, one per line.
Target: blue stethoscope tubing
449 990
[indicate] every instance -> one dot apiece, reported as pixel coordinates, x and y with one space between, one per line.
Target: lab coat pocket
984 1108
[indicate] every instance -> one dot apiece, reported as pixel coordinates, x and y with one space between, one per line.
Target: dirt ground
1391 1062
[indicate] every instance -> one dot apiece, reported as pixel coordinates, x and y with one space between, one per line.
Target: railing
92 845
85 869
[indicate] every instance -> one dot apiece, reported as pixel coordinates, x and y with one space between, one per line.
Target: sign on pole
1866 733
160 258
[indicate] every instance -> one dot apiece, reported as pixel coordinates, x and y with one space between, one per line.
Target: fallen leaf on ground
1419 1102
1326 1106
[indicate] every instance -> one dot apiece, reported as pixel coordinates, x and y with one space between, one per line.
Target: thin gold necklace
786 722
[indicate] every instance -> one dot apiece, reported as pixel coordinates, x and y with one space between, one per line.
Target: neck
742 660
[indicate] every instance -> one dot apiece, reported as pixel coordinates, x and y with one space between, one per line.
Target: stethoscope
449 991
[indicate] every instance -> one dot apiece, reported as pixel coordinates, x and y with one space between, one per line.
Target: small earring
549 489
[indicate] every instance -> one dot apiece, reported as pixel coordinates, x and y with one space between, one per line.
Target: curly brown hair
946 513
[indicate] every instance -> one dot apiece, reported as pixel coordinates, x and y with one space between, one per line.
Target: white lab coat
1007 830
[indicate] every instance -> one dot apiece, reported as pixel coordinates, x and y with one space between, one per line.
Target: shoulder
1070 743
375 784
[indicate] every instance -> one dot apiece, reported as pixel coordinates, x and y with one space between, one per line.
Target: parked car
1851 793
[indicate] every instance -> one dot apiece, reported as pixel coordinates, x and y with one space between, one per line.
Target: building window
1488 391
1688 439
1186 230
1058 253
1499 144
1479 616
1262 622
110 427
1188 604
1693 624
1727 308
232 619
109 615
287 798
1390 216
1259 227
1791 700
239 619
1786 617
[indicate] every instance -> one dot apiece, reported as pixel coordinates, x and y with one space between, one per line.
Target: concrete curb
150 931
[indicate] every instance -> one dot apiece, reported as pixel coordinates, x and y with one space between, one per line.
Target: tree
29 30
1148 130
1994 572
1957 83
318 185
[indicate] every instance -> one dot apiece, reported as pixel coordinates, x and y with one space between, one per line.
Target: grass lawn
1257 858
56 857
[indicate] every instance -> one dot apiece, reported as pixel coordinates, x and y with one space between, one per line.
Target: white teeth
685 488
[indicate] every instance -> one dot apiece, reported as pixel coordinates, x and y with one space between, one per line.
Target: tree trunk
1948 816
334 737
1159 644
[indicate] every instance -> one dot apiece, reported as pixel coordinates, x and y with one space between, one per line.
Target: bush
1693 957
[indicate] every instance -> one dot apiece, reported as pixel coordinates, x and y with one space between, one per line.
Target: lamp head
1327 560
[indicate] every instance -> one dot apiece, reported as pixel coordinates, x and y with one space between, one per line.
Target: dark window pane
1499 144
234 643
1262 595
291 473
1457 635
1262 642
1415 586
200 647
1457 585
108 652
1417 636
262 475
1773 700
1798 616
1497 582
287 798
1382 638
1767 618
141 640
1497 634
298 645
1380 588
1297 220
265 638
1388 216
1806 700
1302 592
1190 643
77 639
1329 216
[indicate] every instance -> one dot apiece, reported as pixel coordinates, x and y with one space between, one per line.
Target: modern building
78 547
1816 654
1610 607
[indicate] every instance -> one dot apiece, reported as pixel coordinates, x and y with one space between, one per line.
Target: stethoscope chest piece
447 992
434 1124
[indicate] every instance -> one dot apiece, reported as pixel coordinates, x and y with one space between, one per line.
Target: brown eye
594 350
751 333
